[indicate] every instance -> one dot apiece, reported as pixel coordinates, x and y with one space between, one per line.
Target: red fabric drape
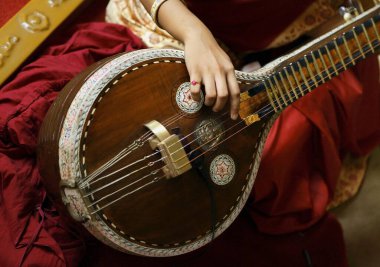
298 172
247 25
23 105
9 8
303 153
302 158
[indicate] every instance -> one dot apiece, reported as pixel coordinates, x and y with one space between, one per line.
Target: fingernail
234 116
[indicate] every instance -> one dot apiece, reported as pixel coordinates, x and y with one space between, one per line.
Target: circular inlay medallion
209 133
222 169
184 100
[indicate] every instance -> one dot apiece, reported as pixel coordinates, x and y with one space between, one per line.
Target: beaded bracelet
154 9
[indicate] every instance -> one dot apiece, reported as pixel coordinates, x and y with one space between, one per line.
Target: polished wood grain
171 211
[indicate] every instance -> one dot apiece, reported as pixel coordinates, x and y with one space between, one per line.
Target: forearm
174 17
206 62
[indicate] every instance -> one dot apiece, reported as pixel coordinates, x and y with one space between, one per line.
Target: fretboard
330 55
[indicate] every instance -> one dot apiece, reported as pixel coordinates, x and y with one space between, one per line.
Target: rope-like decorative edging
69 155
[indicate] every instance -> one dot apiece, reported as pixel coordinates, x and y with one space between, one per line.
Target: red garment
9 8
302 156
29 226
305 148
247 25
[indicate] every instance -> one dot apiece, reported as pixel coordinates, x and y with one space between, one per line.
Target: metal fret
317 67
269 93
369 40
357 41
295 77
331 60
359 7
290 82
310 71
340 55
324 64
375 29
348 50
280 90
275 93
303 76
285 85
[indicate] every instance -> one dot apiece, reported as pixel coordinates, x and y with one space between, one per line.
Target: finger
221 92
210 90
234 92
195 87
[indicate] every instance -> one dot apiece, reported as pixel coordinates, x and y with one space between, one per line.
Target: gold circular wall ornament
55 3
7 47
34 22
13 39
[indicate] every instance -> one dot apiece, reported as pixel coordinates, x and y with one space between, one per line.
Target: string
151 164
297 89
126 186
127 194
119 157
146 157
268 113
125 152
154 180
137 143
241 121
86 181
155 171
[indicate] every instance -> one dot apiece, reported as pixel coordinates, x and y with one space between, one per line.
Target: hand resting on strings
207 63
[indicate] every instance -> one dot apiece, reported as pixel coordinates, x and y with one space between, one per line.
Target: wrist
196 32
174 17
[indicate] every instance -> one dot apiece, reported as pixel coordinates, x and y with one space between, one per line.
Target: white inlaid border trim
69 155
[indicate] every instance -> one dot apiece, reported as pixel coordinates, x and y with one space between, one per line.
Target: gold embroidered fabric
350 179
317 13
133 15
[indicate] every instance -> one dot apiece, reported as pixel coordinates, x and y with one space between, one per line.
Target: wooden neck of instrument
326 58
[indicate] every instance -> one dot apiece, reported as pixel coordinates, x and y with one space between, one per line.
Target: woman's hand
209 65
206 62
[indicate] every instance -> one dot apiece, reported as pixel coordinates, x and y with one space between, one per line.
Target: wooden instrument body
102 114
103 111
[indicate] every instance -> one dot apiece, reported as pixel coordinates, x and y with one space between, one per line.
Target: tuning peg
352 9
348 13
